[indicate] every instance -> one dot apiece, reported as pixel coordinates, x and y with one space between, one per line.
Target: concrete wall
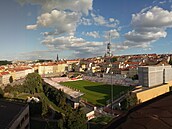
155 76
145 94
168 75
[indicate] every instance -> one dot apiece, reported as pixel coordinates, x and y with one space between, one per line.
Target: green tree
131 100
8 88
60 123
5 62
33 82
44 107
11 79
62 99
76 120
170 62
113 59
74 67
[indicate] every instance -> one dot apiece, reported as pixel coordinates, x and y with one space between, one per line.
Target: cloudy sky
39 29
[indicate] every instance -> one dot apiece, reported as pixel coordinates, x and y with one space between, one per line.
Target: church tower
57 58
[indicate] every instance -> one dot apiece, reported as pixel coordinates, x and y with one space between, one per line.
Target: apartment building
154 75
4 78
52 68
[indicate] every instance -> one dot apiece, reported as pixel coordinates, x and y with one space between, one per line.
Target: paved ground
155 115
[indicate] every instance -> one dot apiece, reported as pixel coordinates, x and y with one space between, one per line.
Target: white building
154 75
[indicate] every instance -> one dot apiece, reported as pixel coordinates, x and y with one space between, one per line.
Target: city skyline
39 29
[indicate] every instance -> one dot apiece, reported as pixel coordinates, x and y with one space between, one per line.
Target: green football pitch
94 92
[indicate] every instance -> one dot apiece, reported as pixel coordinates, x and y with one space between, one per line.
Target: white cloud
148 27
59 20
73 5
86 21
34 55
93 34
111 19
113 34
145 9
78 45
101 21
144 36
31 27
62 18
155 17
162 2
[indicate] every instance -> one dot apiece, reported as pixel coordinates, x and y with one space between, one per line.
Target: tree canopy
113 59
1 93
170 62
5 62
33 82
11 79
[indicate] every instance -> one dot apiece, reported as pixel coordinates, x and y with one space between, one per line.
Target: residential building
4 78
73 61
19 74
62 67
52 68
45 69
132 71
2 69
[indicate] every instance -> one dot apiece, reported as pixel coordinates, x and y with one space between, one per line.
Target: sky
41 29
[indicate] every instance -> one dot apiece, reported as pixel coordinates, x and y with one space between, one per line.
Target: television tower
108 51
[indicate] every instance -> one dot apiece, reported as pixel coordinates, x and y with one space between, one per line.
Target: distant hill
43 60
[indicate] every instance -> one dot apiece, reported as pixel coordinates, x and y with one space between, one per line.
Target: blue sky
39 29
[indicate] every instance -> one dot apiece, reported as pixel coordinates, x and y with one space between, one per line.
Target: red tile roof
4 73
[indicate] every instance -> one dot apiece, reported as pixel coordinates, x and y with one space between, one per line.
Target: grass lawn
95 93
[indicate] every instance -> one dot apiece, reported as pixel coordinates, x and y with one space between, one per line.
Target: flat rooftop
155 114
9 111
66 90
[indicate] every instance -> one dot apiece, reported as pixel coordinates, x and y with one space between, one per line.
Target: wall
5 79
146 94
168 74
90 115
22 122
154 75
